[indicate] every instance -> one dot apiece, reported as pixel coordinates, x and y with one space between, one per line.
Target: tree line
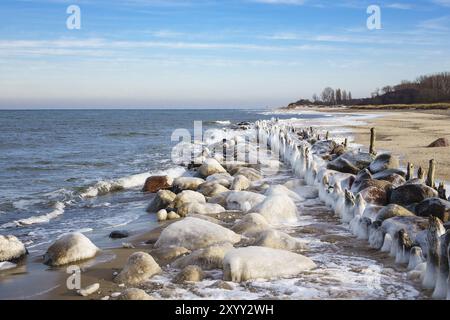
433 88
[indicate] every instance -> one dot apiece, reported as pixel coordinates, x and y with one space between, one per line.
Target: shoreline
102 272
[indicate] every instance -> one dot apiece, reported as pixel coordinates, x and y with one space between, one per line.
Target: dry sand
407 134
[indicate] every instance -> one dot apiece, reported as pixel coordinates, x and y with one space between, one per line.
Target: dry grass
430 106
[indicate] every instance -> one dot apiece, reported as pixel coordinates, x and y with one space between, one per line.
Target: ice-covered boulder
207 258
243 200
211 189
393 210
72 247
199 208
162 200
187 183
193 233
210 167
240 183
434 207
279 240
251 263
250 173
282 190
277 209
251 224
139 268
188 196
412 193
11 248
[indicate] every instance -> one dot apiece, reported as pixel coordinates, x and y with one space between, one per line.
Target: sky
211 53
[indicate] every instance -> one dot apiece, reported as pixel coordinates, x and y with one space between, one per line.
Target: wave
58 210
130 182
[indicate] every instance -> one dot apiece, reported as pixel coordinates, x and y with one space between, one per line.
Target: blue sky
210 53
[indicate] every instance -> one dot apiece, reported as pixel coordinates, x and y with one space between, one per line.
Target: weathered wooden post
372 141
327 136
409 171
224 150
420 173
431 174
346 142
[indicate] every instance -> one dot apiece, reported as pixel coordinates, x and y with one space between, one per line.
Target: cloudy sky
211 53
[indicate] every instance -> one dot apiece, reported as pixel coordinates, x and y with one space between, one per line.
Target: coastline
102 272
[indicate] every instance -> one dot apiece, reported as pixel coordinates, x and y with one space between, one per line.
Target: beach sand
407 134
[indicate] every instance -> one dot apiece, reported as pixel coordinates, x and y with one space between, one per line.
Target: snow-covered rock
72 247
240 183
251 224
279 240
187 183
251 263
199 208
211 189
188 196
210 167
282 190
193 233
207 258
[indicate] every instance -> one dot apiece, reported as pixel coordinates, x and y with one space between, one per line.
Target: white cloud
400 6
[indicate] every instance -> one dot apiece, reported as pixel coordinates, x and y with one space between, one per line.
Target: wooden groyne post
372 141
431 174
409 171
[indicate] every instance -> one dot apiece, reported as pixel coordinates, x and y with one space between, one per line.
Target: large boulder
225 179
282 190
72 247
199 208
11 248
324 147
279 240
193 233
412 193
360 185
188 196
393 210
186 183
440 143
243 200
139 268
210 167
375 195
161 201
434 207
156 183
211 189
384 162
251 224
251 263
240 183
382 175
208 258
277 209
351 162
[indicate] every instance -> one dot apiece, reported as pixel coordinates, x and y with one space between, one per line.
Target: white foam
59 210
133 181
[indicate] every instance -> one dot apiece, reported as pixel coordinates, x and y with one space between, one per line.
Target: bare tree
328 95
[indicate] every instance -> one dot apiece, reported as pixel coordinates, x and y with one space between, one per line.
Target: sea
82 170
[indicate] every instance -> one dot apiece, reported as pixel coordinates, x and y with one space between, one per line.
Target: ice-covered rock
162 200
250 173
11 248
139 268
277 209
251 263
251 224
210 167
207 258
188 196
189 274
434 207
85 292
72 247
187 183
282 190
211 189
412 193
243 200
240 183
384 162
199 208
279 240
193 233
393 210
